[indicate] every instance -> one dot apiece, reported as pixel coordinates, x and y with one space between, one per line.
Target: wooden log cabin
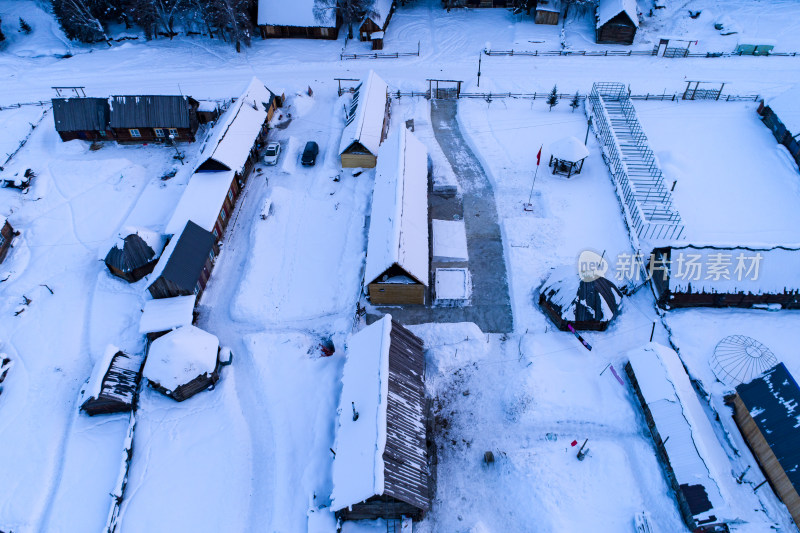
376 21
6 237
113 384
547 12
681 431
617 21
186 264
153 118
765 410
82 118
366 123
380 468
780 114
397 267
184 362
278 18
717 276
134 255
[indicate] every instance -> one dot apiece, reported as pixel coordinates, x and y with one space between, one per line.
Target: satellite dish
738 359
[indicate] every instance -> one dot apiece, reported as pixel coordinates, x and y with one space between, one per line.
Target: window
2 241
211 255
159 132
135 133
222 215
173 131
102 133
197 288
230 195
216 233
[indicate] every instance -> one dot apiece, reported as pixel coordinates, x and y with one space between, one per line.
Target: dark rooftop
80 114
153 112
189 256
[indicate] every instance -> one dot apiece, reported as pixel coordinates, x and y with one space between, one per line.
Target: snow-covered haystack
586 303
738 359
183 362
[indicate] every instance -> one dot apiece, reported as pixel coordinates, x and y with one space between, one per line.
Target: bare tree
80 20
154 14
231 17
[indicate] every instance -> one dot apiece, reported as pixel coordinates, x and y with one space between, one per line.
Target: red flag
539 157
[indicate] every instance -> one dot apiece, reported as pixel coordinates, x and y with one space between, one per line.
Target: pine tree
552 98
576 102
2 37
24 27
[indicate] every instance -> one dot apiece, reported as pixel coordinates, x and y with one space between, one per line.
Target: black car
310 154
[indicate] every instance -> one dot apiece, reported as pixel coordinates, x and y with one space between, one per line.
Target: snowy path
490 308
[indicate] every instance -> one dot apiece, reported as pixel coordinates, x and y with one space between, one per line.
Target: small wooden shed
781 115
113 384
380 468
165 314
153 118
82 118
617 21
184 362
694 275
366 123
186 264
134 255
376 19
397 267
6 237
547 12
567 156
278 18
765 409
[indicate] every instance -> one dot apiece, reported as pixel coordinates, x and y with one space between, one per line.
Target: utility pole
479 68
588 127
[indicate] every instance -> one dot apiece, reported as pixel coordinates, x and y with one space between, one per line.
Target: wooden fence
664 96
626 53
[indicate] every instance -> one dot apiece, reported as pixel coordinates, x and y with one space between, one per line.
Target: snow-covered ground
254 453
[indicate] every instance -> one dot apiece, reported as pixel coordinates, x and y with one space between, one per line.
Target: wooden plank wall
359 160
396 294
766 458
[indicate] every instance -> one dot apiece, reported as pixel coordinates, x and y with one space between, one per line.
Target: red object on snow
326 352
539 156
574 443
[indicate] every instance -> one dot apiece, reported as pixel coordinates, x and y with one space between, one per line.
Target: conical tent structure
587 304
738 359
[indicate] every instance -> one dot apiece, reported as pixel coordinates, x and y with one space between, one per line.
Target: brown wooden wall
149 135
546 17
86 135
766 458
359 160
619 30
396 294
271 32
8 235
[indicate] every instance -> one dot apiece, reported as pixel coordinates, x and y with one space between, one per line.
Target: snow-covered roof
608 9
165 314
398 231
358 469
730 270
692 447
95 385
449 240
379 11
366 125
569 149
299 13
453 284
201 201
180 356
787 108
237 129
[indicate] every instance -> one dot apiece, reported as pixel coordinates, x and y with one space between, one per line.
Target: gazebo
585 303
567 155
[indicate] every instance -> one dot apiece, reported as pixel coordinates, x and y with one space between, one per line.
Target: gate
444 89
695 92
676 52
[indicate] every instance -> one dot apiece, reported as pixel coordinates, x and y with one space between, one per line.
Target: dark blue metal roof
774 403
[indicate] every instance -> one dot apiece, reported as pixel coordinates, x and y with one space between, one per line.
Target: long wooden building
113 384
684 439
153 118
766 411
781 115
398 266
380 469
717 276
617 21
366 123
278 18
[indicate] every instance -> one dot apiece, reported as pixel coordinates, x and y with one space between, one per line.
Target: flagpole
538 161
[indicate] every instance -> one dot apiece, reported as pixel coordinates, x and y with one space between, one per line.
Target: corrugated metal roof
80 114
187 258
153 111
135 253
774 403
